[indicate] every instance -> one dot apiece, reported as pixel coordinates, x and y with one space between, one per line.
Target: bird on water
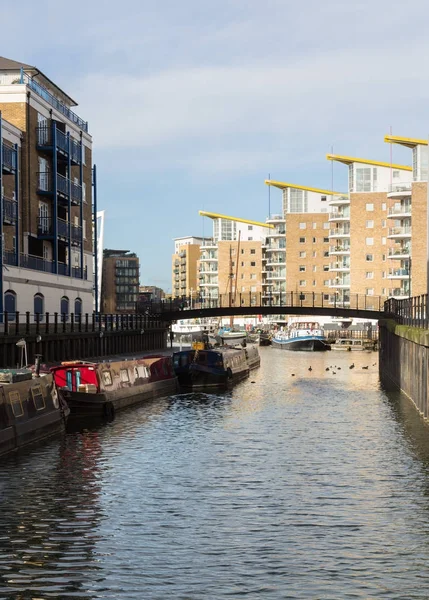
352 366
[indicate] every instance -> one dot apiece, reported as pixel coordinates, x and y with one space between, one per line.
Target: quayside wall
404 359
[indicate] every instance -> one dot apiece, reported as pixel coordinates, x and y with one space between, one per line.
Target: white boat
231 337
192 329
301 335
353 345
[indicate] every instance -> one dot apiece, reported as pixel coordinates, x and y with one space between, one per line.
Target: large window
363 179
297 201
64 307
39 305
10 304
78 306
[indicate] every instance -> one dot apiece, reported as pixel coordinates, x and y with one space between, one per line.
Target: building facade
184 278
46 186
120 281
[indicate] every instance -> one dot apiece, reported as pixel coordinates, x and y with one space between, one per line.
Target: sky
192 104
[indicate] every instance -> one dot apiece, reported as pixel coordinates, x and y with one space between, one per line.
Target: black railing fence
409 311
261 300
16 323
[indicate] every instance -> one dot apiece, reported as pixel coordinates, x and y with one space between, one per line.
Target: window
253 288
314 240
303 226
314 268
326 240
326 282
78 306
326 225
233 263
302 254
16 404
383 257
369 291
83 155
302 283
383 274
242 276
314 282
383 241
370 207
323 198
302 240
314 253
64 306
252 275
395 174
243 288
363 179
369 241
107 378
253 264
124 375
84 228
383 222
326 296
249 239
314 225
84 192
369 224
242 251
38 305
369 257
369 275
325 254
250 228
232 251
38 399
326 267
302 268
242 264
10 303
252 251
383 206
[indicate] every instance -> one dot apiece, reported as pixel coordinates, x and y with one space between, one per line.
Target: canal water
296 484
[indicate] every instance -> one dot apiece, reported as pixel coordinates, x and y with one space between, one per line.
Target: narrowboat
252 356
301 335
30 409
210 368
100 389
353 345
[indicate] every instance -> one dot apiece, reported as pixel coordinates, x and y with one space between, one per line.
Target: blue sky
191 104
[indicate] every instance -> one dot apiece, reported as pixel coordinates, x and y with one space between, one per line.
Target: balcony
278 232
208 271
275 261
41 91
273 219
10 211
339 232
339 300
206 258
45 230
65 145
275 248
65 187
398 274
340 283
339 249
339 200
399 293
400 212
9 159
339 215
399 232
399 190
339 266
399 253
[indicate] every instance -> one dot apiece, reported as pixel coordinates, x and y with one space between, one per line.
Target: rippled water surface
297 484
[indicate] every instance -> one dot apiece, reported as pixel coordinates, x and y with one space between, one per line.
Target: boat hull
302 344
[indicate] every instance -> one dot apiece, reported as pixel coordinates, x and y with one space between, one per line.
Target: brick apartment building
46 185
120 281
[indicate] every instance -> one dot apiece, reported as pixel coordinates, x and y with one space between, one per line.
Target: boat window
144 371
124 375
107 378
38 399
78 379
69 380
16 404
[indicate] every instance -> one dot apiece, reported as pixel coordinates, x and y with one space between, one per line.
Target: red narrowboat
99 389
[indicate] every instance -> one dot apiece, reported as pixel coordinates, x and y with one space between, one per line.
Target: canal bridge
290 303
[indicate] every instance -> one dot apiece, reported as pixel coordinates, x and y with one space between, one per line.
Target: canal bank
404 357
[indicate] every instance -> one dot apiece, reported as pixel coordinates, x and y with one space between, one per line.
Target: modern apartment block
365 232
231 261
407 214
296 253
184 281
120 281
46 185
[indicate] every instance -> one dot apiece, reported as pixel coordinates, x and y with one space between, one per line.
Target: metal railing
10 210
400 210
400 187
41 91
9 157
250 299
16 323
400 230
409 311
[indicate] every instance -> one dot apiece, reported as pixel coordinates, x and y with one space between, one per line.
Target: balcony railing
400 230
333 249
339 231
404 251
9 158
339 265
63 186
27 261
10 211
339 214
400 210
399 273
400 187
41 91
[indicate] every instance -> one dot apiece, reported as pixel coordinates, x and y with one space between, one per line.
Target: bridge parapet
409 311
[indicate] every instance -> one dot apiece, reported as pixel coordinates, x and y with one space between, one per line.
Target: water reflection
298 483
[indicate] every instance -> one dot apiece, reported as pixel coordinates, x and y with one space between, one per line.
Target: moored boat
301 335
353 345
99 389
231 337
30 409
252 356
210 368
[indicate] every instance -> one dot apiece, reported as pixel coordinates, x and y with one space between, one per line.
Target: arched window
78 306
10 304
64 308
39 305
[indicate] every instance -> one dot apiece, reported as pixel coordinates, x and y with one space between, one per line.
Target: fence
409 311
